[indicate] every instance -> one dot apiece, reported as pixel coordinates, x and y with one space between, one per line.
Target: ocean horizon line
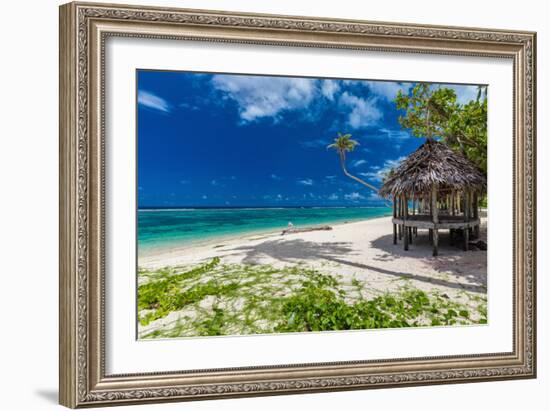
225 207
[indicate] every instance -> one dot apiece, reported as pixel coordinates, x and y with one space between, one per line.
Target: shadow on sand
292 251
451 258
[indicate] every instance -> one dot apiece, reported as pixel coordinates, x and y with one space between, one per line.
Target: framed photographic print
257 204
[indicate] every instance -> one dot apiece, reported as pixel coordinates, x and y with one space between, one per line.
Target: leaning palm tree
343 144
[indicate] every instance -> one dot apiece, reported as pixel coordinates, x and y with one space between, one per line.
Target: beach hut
435 188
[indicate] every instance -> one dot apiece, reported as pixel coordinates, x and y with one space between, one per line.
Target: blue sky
242 140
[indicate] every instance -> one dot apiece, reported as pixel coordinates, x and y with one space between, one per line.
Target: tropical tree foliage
435 112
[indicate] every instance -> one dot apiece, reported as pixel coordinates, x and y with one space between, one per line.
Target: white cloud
389 164
214 182
260 97
358 163
204 197
333 196
153 101
329 88
275 177
387 89
352 82
305 182
373 175
394 134
362 112
355 196
374 196
378 173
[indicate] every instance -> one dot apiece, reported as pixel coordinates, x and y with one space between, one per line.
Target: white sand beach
362 250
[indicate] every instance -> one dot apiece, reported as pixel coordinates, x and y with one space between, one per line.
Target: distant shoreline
212 243
151 248
163 250
260 234
176 208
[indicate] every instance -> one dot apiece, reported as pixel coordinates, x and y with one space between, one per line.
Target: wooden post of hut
394 216
405 228
430 231
453 199
410 229
400 216
470 213
466 231
451 231
476 215
415 201
403 217
435 219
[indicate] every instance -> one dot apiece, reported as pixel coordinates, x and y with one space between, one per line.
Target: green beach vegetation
236 299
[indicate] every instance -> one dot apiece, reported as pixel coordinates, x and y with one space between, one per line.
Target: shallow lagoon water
160 229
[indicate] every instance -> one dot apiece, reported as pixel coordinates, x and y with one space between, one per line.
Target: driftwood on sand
293 230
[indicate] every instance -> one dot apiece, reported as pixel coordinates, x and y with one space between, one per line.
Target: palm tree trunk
360 181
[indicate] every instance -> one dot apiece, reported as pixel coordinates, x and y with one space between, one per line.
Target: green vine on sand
236 299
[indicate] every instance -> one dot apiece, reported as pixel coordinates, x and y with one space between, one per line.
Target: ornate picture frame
84 28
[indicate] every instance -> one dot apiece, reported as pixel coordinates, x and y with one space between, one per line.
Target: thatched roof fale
433 163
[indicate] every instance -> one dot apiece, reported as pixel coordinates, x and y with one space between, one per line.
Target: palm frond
343 143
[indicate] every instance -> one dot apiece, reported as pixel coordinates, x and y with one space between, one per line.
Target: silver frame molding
84 27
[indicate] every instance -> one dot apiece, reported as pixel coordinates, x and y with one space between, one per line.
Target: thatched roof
433 162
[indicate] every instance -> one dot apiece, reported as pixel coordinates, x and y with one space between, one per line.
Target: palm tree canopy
343 143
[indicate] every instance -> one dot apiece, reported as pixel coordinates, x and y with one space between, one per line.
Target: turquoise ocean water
160 229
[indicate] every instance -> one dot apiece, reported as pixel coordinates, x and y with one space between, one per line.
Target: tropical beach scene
275 204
